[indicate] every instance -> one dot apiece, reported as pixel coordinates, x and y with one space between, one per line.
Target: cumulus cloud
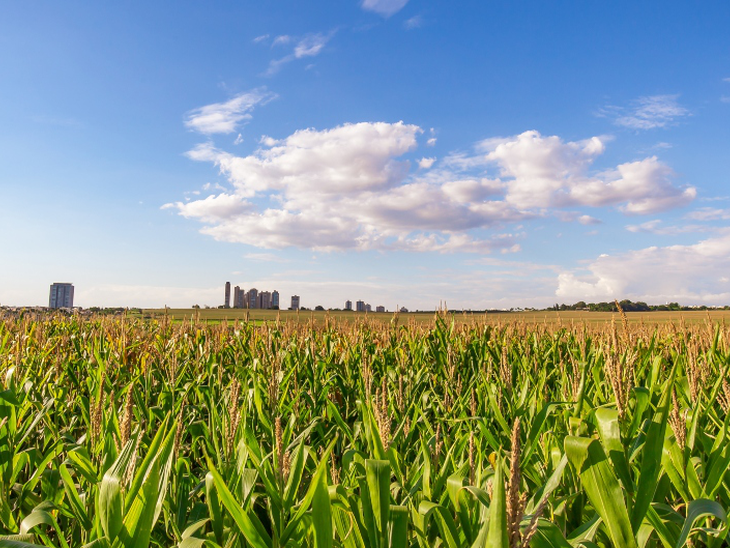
545 172
386 8
687 273
653 111
346 187
426 163
226 117
352 187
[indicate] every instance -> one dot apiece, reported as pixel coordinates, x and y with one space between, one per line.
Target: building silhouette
227 301
295 302
252 298
62 296
264 300
238 297
348 305
275 299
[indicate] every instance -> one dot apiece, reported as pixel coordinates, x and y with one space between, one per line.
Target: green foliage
119 433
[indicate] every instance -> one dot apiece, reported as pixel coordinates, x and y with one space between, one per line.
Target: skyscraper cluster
253 298
362 306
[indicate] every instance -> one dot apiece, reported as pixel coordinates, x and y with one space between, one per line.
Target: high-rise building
368 308
238 297
295 302
62 296
227 301
380 308
265 300
275 299
348 305
252 298
360 306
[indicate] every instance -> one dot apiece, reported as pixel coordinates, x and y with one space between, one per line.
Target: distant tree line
629 306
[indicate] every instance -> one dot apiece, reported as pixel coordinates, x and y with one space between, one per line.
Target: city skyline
400 152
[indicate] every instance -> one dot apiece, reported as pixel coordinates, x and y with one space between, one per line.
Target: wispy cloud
709 214
414 22
225 117
265 258
281 40
649 112
310 45
656 227
386 8
260 38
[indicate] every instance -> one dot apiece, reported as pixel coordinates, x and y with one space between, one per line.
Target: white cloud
725 99
386 8
709 214
545 172
690 274
225 117
213 209
310 45
350 188
656 227
588 220
265 258
413 23
431 142
260 38
347 188
654 111
281 40
426 163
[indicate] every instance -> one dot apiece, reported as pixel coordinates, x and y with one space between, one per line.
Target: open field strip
428 318
451 432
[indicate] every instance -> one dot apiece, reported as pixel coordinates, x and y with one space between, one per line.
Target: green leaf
602 487
498 536
322 514
651 459
698 509
248 525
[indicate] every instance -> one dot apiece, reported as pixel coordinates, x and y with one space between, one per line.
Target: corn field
131 433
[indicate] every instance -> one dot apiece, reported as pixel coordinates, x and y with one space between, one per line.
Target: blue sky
402 152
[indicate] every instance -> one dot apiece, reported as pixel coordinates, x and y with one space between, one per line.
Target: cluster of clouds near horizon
353 187
366 186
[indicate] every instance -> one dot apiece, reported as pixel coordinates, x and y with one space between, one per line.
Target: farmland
415 430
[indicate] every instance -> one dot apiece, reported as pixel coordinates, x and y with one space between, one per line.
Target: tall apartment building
238 297
252 298
379 308
368 308
360 306
295 302
348 305
62 296
265 300
275 299
227 301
